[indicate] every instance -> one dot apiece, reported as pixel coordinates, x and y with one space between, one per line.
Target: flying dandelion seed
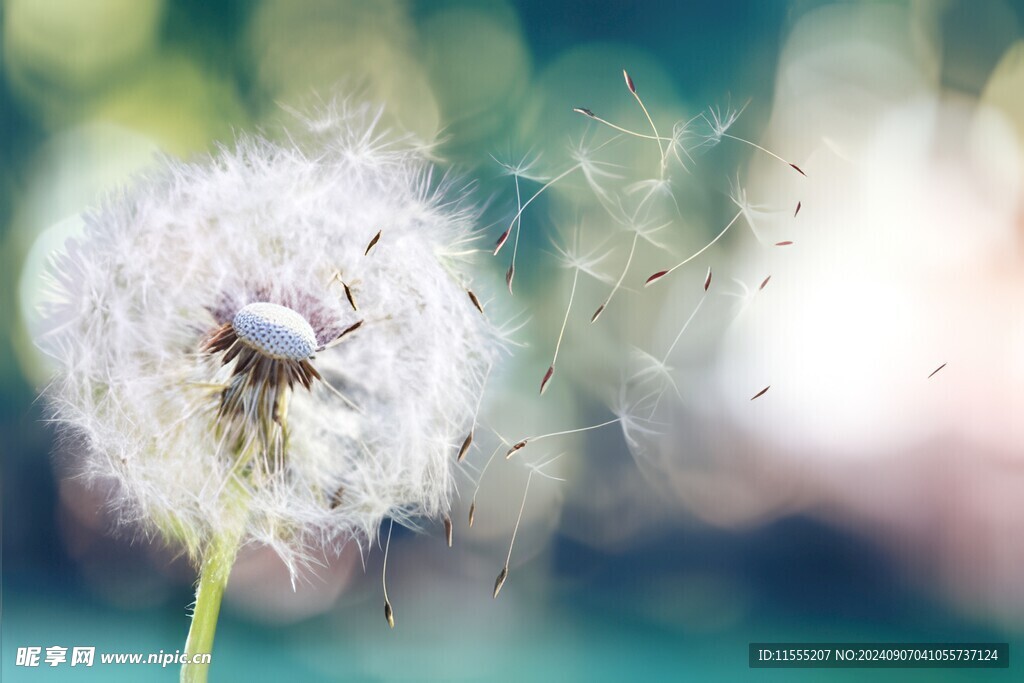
761 393
784 243
720 124
503 574
522 443
936 370
228 392
798 205
662 273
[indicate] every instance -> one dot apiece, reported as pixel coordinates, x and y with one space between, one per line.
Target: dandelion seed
662 273
547 378
389 613
618 283
503 574
798 204
448 530
476 301
535 469
336 497
581 164
373 243
657 276
500 581
661 149
761 393
764 283
519 445
348 295
561 334
476 491
936 370
511 272
784 243
661 366
629 82
465 447
515 447
720 125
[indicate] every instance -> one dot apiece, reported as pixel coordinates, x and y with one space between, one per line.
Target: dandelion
522 443
662 273
580 263
720 124
592 169
640 230
534 469
523 169
229 392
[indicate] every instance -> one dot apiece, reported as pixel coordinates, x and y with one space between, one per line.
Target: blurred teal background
93 90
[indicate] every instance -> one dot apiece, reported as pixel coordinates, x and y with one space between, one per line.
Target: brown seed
798 204
476 302
465 447
936 370
389 614
547 378
799 170
764 283
707 280
629 82
472 511
500 581
337 496
509 274
584 111
373 242
599 311
761 393
348 295
515 447
659 274
784 243
448 530
350 329
502 240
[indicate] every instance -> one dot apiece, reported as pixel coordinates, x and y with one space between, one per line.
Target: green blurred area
94 90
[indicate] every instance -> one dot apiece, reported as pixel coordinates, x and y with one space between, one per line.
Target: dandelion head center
275 331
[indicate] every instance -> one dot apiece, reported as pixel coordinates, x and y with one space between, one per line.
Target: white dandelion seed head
205 335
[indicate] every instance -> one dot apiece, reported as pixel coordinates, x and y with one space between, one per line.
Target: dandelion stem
213 579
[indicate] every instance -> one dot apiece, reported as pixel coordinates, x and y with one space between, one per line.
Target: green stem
213 579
